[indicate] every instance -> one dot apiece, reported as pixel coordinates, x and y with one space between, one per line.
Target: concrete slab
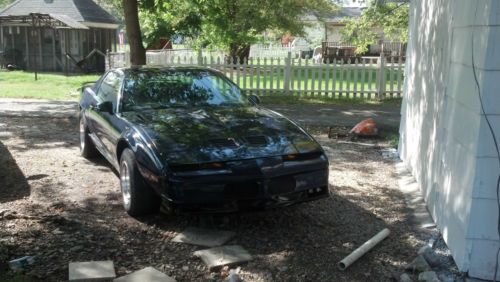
91 271
203 237
149 274
413 196
387 116
225 255
38 108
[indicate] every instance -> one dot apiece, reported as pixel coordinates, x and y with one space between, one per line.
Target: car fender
148 162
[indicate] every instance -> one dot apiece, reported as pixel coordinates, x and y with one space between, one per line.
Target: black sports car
189 138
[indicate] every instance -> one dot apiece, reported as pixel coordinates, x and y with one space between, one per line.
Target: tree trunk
238 53
137 51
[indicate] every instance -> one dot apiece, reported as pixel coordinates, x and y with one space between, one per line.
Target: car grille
256 140
281 185
224 143
241 190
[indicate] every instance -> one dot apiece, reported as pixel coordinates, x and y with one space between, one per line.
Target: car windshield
157 88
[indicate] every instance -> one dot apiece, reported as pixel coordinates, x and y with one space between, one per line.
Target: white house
328 29
450 119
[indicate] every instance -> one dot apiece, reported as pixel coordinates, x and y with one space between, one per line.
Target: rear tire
87 147
138 197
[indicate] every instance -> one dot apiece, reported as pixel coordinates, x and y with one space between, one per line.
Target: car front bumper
249 185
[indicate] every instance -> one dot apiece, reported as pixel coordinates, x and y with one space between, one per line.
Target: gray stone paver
225 255
148 274
203 237
91 271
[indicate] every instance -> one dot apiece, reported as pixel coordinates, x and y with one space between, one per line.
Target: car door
104 123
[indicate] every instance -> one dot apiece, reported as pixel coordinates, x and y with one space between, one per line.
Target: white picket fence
159 57
261 51
368 78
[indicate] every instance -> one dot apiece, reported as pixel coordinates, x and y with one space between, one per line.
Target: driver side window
110 86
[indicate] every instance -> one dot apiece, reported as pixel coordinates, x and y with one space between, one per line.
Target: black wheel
138 197
87 147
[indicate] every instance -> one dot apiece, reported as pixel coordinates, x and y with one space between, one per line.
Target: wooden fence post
287 73
381 77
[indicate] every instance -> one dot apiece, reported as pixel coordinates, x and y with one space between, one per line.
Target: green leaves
389 18
5 3
230 25
167 18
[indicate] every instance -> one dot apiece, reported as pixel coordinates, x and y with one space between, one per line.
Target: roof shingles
78 10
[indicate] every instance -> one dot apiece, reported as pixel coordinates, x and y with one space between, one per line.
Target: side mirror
88 89
106 107
254 99
88 86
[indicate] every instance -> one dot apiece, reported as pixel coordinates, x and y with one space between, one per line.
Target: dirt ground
61 207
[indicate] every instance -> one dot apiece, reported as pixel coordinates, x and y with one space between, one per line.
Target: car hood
188 136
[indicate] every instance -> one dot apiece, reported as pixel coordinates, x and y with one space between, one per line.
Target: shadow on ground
13 184
299 243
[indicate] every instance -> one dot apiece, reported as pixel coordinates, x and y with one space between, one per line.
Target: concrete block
91 271
483 219
405 278
432 258
203 237
482 259
461 14
428 276
489 89
485 145
419 264
461 47
462 123
491 47
149 274
233 277
486 177
464 91
225 255
487 12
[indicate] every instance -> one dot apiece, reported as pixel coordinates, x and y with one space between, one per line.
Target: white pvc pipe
363 249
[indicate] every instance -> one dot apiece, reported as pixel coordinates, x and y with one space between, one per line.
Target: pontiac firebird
190 139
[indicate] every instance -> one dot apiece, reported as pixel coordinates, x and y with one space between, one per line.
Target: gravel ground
62 208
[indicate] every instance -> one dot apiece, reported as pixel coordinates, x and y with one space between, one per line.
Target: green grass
50 86
19 84
393 140
296 100
340 80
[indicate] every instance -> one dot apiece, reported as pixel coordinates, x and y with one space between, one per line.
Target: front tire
138 197
87 147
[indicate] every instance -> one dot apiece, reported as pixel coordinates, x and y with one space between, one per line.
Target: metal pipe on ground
363 249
